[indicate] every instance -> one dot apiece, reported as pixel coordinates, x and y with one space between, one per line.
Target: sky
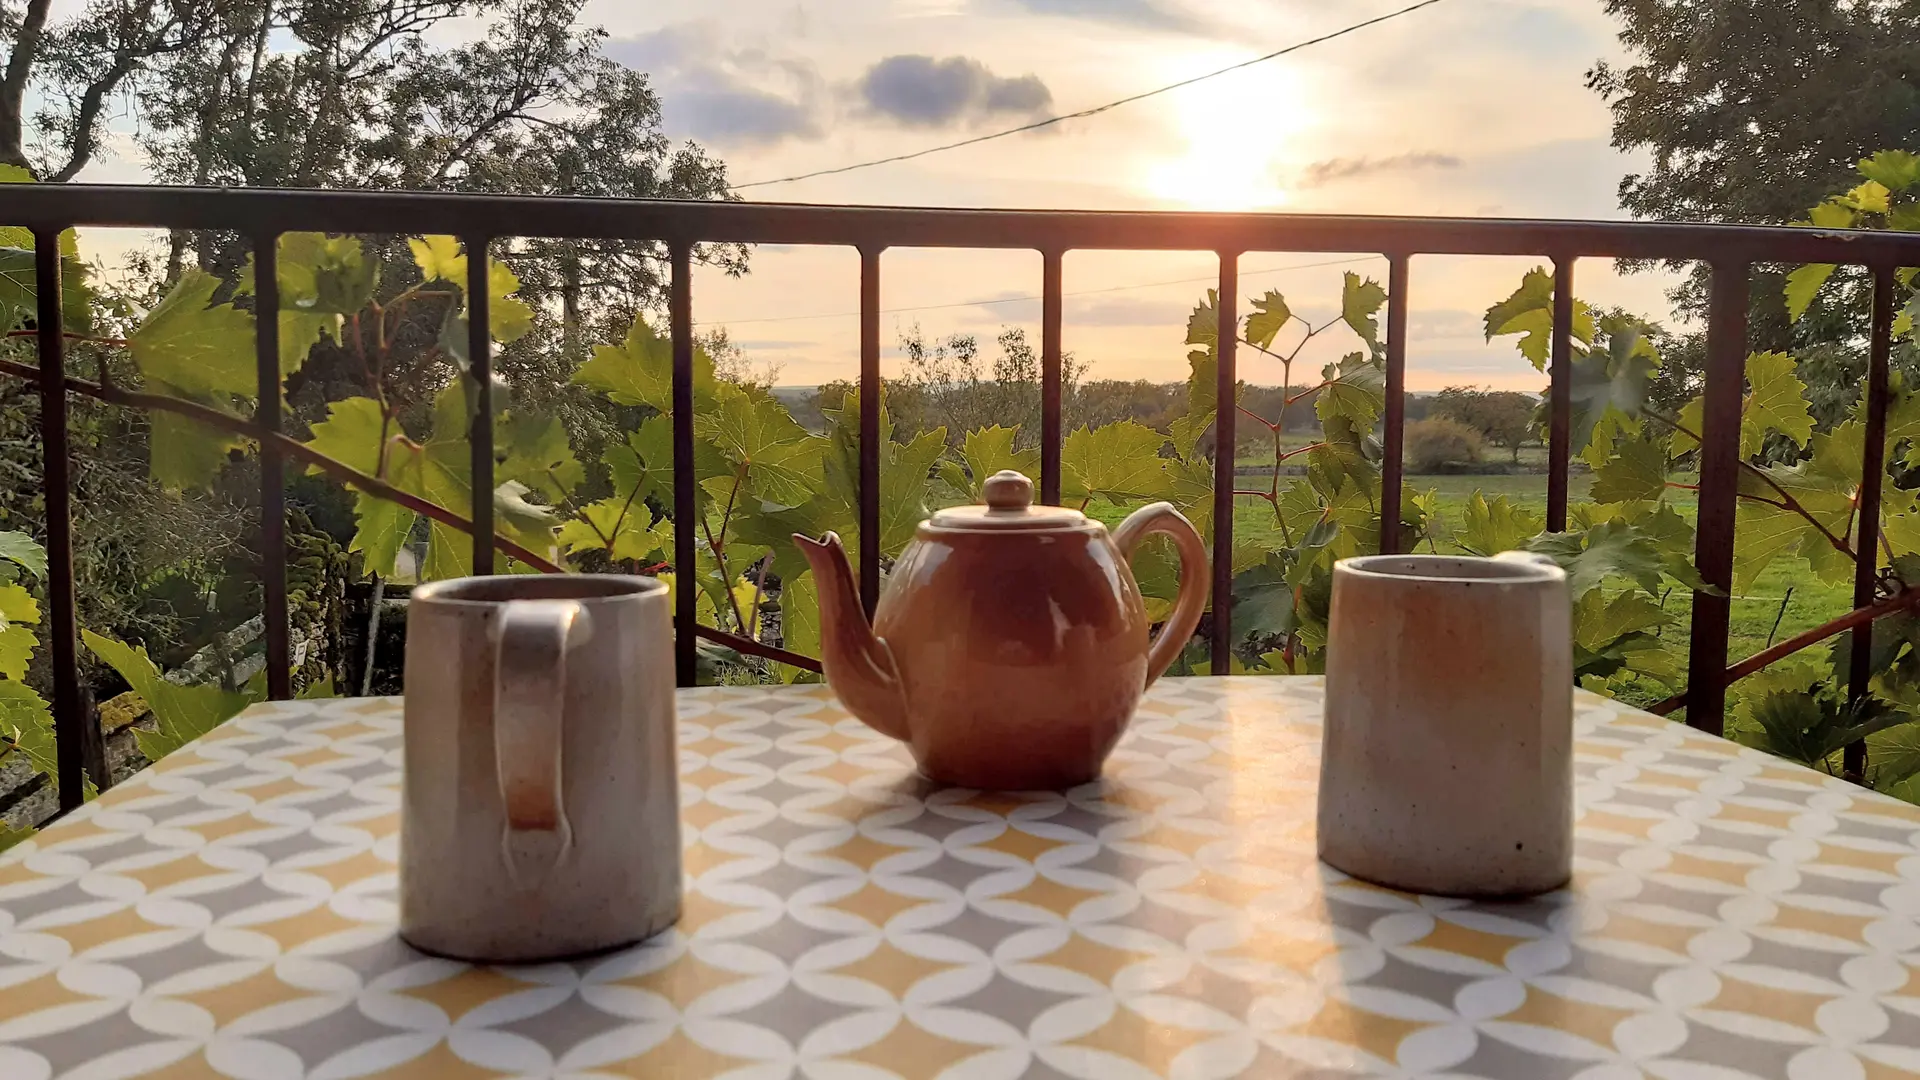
1469 107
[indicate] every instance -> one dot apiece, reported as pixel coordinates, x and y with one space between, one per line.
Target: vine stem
1902 601
299 451
71 336
1788 502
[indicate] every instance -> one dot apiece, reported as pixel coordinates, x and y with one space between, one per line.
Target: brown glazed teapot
1010 645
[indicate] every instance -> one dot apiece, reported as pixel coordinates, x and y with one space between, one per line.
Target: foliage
1503 418
1439 444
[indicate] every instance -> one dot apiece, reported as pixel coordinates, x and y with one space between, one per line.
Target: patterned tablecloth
230 913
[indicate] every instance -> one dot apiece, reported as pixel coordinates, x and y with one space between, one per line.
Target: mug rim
599 589
1431 569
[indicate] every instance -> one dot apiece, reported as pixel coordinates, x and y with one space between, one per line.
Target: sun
1239 134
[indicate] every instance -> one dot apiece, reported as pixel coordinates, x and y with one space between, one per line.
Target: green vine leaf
441 258
1359 301
1203 396
1607 381
1355 391
196 350
1896 170
780 459
1636 471
1489 528
19 281
1270 315
990 450
23 551
799 625
1803 285
1120 462
1610 549
1203 325
181 713
537 453
1776 401
1832 214
640 371
1529 313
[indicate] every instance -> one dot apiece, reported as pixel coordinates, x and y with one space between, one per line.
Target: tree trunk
13 85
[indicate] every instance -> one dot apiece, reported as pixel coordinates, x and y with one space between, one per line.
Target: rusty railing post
273 469
1719 485
1392 438
480 417
1051 436
69 707
870 391
1866 548
685 505
1226 388
1560 397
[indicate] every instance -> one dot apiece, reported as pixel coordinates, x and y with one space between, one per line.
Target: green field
1808 602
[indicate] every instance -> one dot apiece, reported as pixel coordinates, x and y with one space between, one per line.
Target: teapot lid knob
1009 490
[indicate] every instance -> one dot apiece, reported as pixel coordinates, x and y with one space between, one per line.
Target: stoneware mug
1447 766
540 803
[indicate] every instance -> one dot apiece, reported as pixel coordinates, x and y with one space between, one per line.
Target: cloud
726 95
921 91
1147 13
1321 173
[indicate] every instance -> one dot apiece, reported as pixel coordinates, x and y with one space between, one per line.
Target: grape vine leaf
621 528
440 258
1803 285
1832 214
1896 170
1529 313
1270 315
22 550
1869 198
1637 470
1616 378
990 450
181 713
799 624
1120 461
538 454
781 459
196 350
1354 390
1263 599
1203 396
1360 299
1203 325
1489 528
19 283
1612 548
1776 401
640 371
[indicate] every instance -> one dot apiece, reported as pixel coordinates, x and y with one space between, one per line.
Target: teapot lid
1009 508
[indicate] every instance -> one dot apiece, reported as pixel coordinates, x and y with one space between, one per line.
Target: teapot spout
858 664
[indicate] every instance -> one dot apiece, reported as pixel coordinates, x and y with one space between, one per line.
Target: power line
1098 109
1030 299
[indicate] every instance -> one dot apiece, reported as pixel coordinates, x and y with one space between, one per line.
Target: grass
1786 600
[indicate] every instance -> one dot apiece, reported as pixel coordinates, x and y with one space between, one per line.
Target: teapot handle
1163 519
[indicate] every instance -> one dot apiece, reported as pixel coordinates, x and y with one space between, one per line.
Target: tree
1503 418
1752 111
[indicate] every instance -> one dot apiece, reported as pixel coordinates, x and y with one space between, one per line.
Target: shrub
1439 445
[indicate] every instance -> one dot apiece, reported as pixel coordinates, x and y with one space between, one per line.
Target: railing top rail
254 210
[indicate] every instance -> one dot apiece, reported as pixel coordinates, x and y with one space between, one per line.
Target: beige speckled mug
1448 759
540 801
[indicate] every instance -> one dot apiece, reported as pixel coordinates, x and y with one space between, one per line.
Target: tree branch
300 451
13 85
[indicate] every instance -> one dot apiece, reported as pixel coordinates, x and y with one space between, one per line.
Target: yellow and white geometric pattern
231 913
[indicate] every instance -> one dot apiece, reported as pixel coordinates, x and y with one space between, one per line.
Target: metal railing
261 216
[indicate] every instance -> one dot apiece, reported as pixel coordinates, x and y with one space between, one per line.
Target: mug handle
530 642
1162 518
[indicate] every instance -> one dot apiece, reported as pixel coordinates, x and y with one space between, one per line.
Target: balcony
262 218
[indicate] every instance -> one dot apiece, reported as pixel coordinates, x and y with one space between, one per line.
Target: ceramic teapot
1010 645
